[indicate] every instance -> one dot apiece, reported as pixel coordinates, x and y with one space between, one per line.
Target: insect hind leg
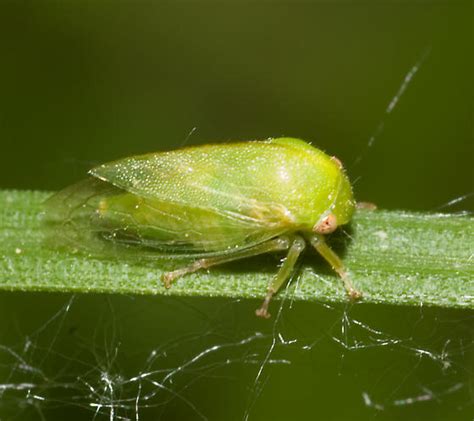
276 244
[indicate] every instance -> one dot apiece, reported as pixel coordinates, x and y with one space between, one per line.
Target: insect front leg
318 242
276 244
369 206
297 246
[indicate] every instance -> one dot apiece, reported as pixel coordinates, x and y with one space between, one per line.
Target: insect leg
317 241
366 206
283 274
276 244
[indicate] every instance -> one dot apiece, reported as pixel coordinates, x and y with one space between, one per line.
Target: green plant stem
394 257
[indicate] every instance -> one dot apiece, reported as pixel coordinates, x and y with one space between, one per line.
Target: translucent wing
100 217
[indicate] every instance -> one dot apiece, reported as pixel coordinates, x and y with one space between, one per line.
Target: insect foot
354 295
263 310
366 206
263 313
167 278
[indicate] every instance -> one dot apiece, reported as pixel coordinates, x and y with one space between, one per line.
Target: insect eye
327 225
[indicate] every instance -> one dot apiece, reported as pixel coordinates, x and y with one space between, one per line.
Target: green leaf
394 257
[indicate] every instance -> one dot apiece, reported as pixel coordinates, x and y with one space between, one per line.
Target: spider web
62 367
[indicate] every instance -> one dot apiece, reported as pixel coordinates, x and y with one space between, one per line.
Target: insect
215 203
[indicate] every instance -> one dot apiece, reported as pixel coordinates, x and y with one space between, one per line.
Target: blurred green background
86 82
